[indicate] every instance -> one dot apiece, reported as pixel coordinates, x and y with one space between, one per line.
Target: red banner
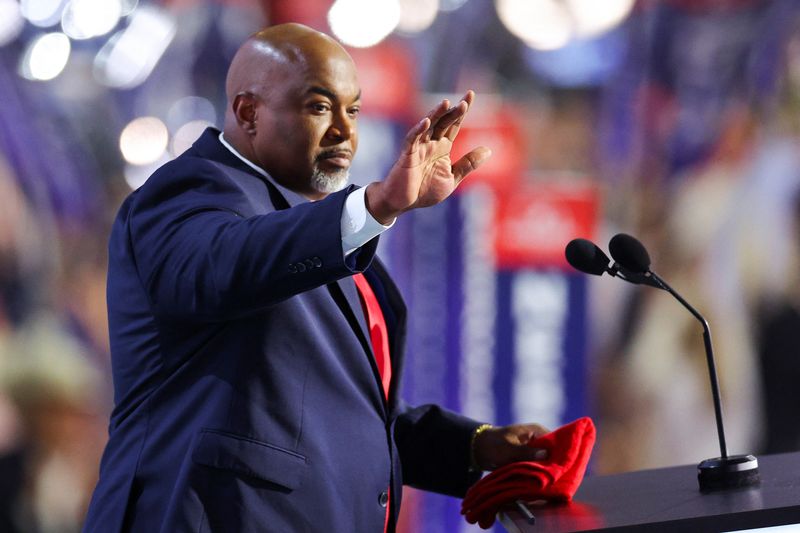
534 223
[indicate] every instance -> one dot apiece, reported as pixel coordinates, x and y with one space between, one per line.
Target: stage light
363 23
11 21
84 19
417 15
144 140
45 57
42 13
129 57
593 18
541 24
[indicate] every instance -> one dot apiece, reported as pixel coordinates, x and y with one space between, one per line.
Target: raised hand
423 174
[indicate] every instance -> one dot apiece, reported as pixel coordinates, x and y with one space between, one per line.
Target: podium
668 499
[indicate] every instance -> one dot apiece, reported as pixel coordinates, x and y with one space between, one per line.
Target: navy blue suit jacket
246 394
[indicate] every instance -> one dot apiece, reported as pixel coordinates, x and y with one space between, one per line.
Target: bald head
293 99
260 62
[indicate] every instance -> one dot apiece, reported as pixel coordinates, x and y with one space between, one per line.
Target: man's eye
320 108
354 111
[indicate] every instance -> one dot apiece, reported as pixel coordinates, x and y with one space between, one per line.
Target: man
256 385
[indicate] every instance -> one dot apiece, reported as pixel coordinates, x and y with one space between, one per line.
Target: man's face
306 125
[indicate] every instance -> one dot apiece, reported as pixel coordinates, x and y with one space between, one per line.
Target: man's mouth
337 158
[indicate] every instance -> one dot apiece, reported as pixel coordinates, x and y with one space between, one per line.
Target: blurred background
677 121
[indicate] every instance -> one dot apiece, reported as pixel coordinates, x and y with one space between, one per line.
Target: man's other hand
499 446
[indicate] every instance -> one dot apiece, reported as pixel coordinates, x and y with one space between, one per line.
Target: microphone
586 256
720 472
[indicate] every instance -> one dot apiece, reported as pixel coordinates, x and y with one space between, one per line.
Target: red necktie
379 335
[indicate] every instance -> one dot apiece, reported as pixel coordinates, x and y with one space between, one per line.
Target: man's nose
342 128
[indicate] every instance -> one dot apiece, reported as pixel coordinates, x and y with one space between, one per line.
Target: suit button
309 263
300 267
383 498
317 261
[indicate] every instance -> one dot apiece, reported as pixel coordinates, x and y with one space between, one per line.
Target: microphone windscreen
586 256
630 253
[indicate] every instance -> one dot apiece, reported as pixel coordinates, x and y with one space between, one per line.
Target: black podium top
669 499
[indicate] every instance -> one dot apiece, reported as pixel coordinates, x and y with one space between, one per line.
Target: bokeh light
186 135
128 6
541 24
144 140
363 23
136 175
593 18
190 108
42 13
84 19
129 57
551 24
11 21
417 15
45 57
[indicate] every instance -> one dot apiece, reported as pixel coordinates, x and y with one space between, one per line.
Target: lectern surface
669 499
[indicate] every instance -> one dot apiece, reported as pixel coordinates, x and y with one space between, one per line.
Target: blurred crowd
691 138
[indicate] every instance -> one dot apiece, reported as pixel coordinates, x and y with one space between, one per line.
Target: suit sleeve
201 259
434 447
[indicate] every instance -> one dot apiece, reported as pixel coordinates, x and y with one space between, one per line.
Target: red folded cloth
555 478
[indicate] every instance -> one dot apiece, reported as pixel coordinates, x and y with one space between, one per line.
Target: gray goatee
328 182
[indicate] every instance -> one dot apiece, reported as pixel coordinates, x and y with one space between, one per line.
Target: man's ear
244 109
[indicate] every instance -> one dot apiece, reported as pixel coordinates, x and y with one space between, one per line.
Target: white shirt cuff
358 225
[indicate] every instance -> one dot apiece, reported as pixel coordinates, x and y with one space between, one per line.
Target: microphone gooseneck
631 254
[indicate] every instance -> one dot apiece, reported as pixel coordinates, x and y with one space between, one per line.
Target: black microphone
720 472
586 256
629 252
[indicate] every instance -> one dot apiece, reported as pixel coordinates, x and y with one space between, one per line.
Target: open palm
423 174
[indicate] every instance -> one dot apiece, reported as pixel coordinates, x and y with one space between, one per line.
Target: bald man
257 342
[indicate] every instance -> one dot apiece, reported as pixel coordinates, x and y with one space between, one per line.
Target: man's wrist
473 460
379 209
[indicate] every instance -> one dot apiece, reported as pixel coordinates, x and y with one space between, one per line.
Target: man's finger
452 116
452 131
435 115
414 134
470 162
